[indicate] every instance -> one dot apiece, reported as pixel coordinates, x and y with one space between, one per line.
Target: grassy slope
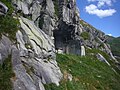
88 74
115 45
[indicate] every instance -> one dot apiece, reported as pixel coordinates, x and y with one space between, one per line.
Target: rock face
5 49
68 26
73 33
47 26
40 11
36 58
33 55
3 9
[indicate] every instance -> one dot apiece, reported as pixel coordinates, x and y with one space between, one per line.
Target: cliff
33 31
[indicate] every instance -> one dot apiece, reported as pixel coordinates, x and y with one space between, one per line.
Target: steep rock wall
33 51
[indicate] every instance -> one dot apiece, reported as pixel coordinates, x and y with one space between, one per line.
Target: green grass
105 55
96 51
115 45
115 48
8 25
88 74
6 73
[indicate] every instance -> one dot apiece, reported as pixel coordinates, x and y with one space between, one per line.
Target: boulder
82 51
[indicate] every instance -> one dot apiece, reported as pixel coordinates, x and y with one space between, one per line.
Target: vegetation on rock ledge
8 25
85 35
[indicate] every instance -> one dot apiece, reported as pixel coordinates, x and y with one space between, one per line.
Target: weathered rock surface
3 9
33 58
65 28
5 48
37 58
40 11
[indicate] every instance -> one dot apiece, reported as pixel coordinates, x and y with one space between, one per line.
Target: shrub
8 25
85 35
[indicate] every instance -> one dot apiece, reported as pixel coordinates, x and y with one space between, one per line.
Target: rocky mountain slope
33 31
115 45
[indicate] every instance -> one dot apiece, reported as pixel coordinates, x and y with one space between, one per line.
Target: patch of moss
85 35
6 73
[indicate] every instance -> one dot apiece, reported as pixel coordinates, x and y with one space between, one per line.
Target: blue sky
102 14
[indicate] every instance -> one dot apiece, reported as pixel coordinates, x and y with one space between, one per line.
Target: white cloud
96 9
102 2
90 7
109 34
93 9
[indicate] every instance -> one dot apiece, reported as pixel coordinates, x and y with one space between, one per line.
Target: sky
102 14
